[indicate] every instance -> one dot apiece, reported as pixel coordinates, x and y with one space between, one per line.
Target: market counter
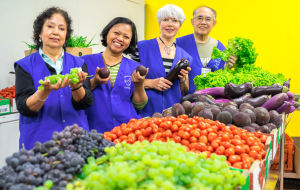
9 136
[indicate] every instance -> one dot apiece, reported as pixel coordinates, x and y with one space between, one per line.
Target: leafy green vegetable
79 41
241 47
30 46
248 73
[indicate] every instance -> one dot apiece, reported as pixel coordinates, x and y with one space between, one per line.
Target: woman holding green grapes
51 90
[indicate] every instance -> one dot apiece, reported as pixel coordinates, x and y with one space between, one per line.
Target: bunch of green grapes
156 165
54 78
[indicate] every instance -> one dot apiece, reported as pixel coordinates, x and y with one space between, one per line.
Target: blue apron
150 57
111 107
57 111
188 43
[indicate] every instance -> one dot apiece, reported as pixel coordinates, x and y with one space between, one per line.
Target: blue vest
111 107
57 111
188 43
150 57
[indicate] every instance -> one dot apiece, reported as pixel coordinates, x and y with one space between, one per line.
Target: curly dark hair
40 20
132 46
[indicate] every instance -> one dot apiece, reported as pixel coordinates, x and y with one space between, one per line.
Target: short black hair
40 20
132 46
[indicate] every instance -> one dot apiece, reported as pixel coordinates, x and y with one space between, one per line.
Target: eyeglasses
200 19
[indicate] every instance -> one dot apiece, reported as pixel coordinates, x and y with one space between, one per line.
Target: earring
40 40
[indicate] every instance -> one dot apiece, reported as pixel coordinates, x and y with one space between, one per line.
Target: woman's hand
137 79
60 84
161 84
183 74
231 61
100 80
81 77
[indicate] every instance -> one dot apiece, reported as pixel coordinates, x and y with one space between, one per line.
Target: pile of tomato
240 147
8 92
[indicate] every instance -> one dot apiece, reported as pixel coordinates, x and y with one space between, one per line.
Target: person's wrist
73 86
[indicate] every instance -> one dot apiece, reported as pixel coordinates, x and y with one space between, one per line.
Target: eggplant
297 97
274 102
296 105
292 109
234 91
291 101
290 95
220 100
283 107
142 70
258 101
192 97
214 91
173 74
287 83
268 90
241 99
203 98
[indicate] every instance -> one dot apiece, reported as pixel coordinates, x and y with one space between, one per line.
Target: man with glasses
200 45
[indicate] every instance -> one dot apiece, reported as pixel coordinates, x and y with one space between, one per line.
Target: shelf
9 117
291 175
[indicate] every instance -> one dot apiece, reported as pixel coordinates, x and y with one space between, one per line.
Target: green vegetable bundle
246 73
241 47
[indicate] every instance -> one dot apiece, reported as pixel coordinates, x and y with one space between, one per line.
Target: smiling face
54 31
119 37
169 27
203 21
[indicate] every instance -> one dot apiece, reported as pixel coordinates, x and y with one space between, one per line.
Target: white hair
171 11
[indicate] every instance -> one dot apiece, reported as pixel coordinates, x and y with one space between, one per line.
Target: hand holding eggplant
183 74
137 79
97 78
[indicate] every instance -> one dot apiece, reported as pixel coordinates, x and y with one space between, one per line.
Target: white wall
89 18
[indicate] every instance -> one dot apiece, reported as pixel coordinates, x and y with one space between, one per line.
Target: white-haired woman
160 55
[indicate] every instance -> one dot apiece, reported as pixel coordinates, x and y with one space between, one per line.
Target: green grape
48 184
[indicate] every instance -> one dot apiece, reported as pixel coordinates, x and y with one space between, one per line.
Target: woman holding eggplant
160 55
119 95
56 106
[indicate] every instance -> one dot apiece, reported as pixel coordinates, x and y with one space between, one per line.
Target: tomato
180 133
177 139
220 125
117 141
188 128
203 139
203 132
228 163
225 129
238 137
186 135
182 121
246 164
127 130
257 134
236 142
232 128
210 130
210 149
195 133
167 133
158 135
147 132
138 133
237 165
246 148
202 125
239 149
244 136
263 153
162 139
174 134
185 142
125 140
234 158
178 123
225 137
253 154
123 137
193 140
192 146
243 156
220 150
201 147
212 136
226 144
131 140
256 148
236 132
161 130
144 124
171 119
250 141
174 128
263 139
229 151
215 145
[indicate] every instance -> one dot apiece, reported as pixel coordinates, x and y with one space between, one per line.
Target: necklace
167 48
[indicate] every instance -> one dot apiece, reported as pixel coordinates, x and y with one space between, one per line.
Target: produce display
54 78
156 165
196 134
241 47
247 73
8 92
58 159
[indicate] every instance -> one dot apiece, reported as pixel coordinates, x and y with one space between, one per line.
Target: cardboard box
297 154
5 107
73 51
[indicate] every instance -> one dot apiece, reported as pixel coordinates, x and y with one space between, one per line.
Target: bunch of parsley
241 47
